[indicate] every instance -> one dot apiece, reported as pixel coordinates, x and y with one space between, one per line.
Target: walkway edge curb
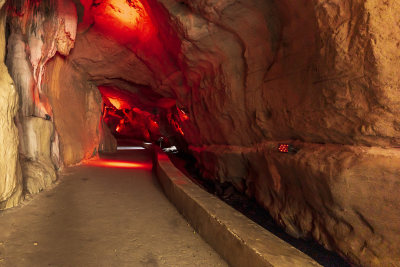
236 238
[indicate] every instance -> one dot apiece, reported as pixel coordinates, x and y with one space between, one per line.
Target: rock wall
10 169
34 38
77 111
59 120
38 169
321 75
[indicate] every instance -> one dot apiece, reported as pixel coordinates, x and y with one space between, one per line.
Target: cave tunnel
199 133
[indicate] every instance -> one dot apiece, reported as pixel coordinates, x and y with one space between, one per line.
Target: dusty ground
100 216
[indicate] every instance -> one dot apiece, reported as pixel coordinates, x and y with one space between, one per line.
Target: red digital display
283 148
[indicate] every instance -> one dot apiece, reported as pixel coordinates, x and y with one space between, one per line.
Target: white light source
130 148
171 149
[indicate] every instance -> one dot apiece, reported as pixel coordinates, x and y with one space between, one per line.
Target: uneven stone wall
322 75
77 111
34 37
10 169
59 120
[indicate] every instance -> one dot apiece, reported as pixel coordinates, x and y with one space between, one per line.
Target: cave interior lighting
118 164
287 148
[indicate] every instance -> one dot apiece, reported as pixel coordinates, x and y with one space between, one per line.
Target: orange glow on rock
118 164
128 12
115 102
182 115
163 157
125 20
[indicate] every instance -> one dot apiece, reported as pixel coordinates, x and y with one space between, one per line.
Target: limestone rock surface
322 75
10 170
76 106
35 149
37 31
108 143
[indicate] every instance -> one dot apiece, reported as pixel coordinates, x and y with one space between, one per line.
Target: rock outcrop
321 75
59 120
10 169
35 150
34 38
76 106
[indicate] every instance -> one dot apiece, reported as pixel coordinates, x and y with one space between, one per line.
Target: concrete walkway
102 216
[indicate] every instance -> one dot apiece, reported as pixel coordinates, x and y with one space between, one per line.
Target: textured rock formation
10 170
28 51
321 75
108 143
318 74
76 106
51 112
35 150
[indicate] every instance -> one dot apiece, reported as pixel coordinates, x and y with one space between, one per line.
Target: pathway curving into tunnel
108 212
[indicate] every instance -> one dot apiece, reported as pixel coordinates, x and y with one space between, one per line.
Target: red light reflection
182 115
118 104
125 20
119 164
128 12
163 157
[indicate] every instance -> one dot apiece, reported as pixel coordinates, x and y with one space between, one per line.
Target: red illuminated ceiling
127 12
125 20
117 103
118 98
122 116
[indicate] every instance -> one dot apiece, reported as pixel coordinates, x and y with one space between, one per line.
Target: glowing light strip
130 148
119 164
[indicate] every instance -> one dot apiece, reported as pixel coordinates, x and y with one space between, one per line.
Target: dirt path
99 216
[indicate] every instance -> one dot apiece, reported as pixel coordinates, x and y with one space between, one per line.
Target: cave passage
125 120
291 107
108 212
132 122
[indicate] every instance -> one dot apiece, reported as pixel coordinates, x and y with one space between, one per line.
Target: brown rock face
36 162
59 120
317 74
28 51
10 170
76 105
